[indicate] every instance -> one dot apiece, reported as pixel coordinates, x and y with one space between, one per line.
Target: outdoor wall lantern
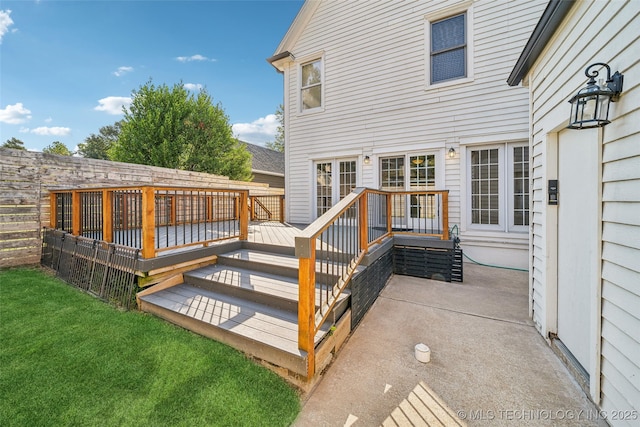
452 153
590 106
367 160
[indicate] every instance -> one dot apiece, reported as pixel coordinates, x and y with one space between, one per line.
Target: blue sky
67 67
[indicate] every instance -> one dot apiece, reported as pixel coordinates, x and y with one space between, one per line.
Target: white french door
335 179
411 172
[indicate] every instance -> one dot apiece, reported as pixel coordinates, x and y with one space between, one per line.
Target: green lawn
69 359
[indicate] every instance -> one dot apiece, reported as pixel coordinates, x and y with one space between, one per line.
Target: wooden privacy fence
331 248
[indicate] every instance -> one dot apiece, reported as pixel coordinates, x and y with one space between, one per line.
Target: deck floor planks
275 327
283 287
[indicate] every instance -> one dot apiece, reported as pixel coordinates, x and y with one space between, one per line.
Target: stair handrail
311 319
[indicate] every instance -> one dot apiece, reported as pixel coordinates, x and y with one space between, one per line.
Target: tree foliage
57 147
14 143
98 146
171 128
278 143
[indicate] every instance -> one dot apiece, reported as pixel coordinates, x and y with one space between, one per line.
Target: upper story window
448 49
311 85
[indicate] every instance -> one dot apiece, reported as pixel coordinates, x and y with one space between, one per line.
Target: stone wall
27 177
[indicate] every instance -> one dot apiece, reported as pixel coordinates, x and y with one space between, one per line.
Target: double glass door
410 173
334 180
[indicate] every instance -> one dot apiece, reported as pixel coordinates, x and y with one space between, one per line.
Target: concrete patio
489 366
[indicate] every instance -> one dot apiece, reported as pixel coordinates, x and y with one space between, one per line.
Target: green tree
57 147
14 143
278 143
171 128
98 146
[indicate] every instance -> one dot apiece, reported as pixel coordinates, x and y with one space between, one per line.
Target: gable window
448 49
499 187
311 85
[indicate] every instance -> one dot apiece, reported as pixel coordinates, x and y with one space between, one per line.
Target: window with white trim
448 48
311 79
498 183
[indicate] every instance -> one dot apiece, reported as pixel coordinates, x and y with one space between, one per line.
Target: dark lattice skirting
430 259
366 286
427 258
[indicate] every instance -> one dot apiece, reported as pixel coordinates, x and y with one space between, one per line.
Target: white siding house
412 95
585 273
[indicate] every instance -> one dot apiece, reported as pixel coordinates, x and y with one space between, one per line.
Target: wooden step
257 286
256 329
268 262
276 263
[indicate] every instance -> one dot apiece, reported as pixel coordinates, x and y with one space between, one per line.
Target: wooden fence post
244 215
107 216
445 215
148 223
389 212
364 222
76 221
281 199
306 305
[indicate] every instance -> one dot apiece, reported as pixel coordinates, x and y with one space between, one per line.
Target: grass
69 359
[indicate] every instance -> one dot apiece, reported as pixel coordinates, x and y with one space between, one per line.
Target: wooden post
364 222
389 212
252 200
107 216
148 223
244 215
76 220
445 215
53 211
306 307
282 208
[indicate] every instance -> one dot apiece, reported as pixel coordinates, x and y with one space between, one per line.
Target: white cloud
193 86
113 104
55 131
5 22
122 71
259 131
14 114
48 120
193 58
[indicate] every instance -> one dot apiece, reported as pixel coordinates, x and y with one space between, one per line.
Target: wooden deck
248 299
274 233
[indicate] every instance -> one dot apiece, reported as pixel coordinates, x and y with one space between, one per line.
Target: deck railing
266 208
331 248
152 219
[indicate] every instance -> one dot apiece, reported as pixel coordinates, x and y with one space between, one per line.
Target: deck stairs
248 299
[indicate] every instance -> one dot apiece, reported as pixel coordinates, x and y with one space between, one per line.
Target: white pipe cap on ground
423 354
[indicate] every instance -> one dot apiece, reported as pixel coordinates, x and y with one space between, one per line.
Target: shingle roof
265 159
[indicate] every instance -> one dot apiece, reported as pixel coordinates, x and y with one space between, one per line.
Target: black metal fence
105 270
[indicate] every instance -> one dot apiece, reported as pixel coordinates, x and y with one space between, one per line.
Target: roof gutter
549 22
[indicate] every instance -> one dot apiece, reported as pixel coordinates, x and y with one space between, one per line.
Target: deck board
283 287
276 327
